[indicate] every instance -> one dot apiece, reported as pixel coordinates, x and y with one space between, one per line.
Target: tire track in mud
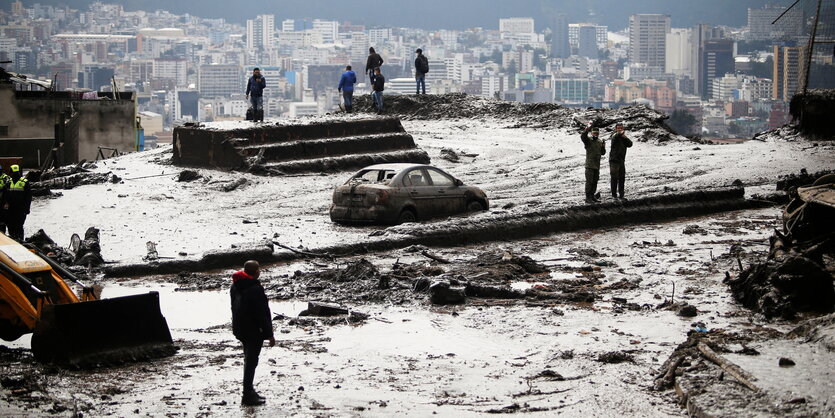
471 230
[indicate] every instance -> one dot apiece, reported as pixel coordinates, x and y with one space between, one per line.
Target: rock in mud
441 292
450 155
323 309
492 292
359 270
687 311
235 184
785 362
614 357
188 175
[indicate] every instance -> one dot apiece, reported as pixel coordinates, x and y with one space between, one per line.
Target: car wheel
475 206
407 216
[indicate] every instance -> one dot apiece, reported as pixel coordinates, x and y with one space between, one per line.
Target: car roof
394 166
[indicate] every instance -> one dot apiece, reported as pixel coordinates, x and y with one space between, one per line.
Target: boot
252 399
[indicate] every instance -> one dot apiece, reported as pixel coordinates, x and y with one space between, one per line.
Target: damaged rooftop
682 300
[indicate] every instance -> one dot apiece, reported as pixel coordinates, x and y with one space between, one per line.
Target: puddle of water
183 310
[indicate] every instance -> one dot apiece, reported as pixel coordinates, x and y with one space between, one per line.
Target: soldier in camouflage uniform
595 149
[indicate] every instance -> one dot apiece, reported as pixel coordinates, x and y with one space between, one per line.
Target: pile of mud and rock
648 123
67 177
797 275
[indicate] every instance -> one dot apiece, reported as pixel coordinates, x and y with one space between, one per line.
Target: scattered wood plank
741 375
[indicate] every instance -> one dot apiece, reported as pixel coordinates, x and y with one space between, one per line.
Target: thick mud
524 353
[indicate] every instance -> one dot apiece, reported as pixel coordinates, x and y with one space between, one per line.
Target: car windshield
373 176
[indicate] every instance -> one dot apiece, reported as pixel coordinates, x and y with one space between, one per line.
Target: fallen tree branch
435 257
536 392
744 377
307 253
666 380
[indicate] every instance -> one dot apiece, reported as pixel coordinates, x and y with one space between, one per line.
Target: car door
449 197
421 192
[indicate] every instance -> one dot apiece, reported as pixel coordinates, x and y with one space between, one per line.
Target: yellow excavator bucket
67 330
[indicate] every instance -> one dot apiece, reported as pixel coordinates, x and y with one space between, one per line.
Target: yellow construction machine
71 330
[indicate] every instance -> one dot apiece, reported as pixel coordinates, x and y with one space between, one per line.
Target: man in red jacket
251 323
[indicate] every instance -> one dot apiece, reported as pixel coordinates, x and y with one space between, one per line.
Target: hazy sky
450 14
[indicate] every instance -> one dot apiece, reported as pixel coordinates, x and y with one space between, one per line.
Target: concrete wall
107 123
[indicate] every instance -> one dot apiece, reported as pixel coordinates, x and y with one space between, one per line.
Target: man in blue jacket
346 87
255 93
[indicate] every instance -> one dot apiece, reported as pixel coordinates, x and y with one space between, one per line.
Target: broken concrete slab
299 146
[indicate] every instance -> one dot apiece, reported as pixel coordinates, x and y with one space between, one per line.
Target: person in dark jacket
4 181
617 159
251 323
374 61
255 93
379 84
346 87
421 68
595 149
17 200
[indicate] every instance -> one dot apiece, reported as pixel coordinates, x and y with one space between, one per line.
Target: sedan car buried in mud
398 193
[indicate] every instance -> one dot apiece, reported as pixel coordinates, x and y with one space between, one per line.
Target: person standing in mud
346 87
4 181
421 68
17 200
255 93
378 85
374 61
251 324
617 160
595 149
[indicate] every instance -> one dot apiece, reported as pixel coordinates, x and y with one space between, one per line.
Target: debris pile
646 124
798 274
68 177
86 252
813 111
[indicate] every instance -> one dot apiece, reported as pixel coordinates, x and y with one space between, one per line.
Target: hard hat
15 168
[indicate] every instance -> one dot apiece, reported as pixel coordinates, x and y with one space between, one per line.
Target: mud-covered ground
521 169
541 352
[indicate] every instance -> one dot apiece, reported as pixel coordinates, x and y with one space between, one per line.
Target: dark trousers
15 221
592 175
252 349
348 97
618 174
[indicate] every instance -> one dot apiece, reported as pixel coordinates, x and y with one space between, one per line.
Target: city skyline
456 14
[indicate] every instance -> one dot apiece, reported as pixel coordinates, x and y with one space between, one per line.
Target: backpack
424 64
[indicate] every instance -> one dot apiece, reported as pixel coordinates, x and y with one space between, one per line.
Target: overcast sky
450 14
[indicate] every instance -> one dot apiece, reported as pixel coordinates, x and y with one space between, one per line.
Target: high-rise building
517 25
288 25
220 80
174 69
648 39
760 25
260 32
329 30
587 41
559 37
574 34
698 35
716 60
679 51
786 72
95 77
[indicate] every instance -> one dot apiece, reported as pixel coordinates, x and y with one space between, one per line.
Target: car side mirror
459 182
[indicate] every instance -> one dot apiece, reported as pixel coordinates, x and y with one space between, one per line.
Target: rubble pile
812 111
798 274
645 123
68 177
86 252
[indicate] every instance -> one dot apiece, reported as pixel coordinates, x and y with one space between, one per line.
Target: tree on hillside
682 122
